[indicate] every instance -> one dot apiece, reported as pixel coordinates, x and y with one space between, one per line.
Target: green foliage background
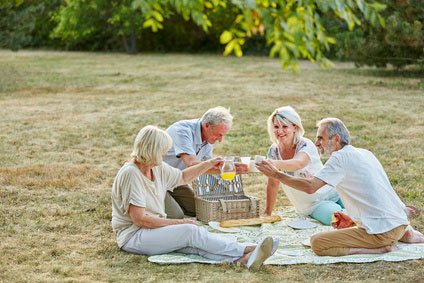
288 29
400 43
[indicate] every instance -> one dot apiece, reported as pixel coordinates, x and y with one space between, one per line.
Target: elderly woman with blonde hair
298 156
138 210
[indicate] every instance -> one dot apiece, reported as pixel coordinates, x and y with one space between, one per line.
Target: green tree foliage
400 43
96 24
26 23
291 29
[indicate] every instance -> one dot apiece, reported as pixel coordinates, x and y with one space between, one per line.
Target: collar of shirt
198 134
201 146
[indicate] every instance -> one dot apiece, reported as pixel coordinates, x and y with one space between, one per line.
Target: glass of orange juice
228 169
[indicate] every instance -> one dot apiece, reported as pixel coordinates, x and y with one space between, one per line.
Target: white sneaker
263 250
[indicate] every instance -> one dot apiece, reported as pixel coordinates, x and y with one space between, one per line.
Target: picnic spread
292 248
225 209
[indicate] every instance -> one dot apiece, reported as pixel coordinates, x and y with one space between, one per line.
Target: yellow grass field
68 121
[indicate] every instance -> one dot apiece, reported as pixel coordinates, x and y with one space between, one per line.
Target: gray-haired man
193 142
377 219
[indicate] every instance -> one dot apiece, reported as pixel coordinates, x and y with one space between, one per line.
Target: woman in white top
138 210
299 157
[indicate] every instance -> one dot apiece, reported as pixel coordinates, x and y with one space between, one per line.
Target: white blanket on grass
290 249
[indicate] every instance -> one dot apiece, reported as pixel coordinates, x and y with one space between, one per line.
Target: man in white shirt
377 217
193 142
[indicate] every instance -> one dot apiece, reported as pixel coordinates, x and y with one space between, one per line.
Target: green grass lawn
68 121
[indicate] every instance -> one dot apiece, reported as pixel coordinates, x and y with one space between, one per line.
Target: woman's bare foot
412 236
247 251
243 260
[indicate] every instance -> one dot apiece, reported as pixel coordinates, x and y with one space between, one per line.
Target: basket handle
232 210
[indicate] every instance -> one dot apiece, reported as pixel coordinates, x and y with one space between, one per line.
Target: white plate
306 242
215 225
301 224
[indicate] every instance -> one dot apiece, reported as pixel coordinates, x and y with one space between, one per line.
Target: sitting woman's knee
190 228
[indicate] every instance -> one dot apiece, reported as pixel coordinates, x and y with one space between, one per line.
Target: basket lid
213 184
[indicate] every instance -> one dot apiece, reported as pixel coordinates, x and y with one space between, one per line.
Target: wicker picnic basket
218 200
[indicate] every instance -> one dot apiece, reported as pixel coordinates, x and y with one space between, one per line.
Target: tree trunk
133 38
129 41
125 44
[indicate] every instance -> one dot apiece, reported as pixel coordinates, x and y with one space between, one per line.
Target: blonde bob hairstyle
287 116
150 145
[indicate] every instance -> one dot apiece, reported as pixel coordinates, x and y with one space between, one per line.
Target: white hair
150 145
217 115
287 116
334 127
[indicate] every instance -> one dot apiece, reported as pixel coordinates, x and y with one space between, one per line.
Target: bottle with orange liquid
228 169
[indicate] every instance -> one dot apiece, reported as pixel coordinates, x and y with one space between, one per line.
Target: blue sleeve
184 142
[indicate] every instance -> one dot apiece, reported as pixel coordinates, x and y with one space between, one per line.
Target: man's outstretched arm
307 185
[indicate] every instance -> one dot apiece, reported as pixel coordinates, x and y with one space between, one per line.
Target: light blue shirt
187 138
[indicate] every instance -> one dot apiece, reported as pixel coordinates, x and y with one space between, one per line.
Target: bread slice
249 221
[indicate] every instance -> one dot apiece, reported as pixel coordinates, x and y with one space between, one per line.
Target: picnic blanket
290 249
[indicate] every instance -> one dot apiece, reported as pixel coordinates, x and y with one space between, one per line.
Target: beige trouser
339 242
180 202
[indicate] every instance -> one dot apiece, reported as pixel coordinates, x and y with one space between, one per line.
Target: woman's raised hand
216 162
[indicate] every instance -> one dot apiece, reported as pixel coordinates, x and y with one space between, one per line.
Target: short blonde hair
150 145
287 116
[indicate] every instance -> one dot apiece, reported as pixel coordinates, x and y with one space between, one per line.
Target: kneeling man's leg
354 241
172 209
184 196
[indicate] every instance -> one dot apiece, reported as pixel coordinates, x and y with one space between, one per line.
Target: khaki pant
180 202
339 242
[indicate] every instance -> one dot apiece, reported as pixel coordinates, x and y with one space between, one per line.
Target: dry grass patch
49 176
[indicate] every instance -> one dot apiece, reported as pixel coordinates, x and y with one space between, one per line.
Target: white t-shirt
365 189
187 138
305 203
132 187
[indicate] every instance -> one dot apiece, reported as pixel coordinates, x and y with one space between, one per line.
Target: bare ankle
243 259
388 249
381 250
249 249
